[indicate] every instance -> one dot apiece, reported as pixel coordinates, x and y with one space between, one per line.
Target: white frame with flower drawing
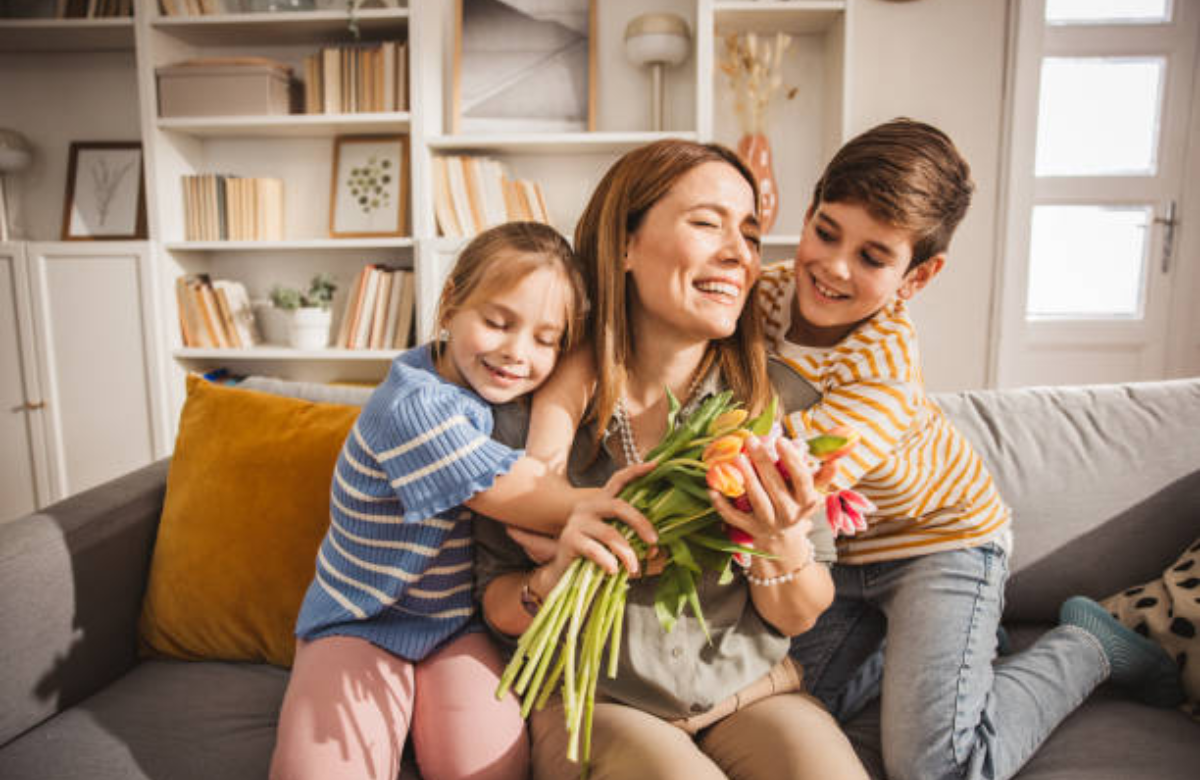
381 163
106 193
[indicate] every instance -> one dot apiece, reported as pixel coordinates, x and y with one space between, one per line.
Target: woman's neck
660 363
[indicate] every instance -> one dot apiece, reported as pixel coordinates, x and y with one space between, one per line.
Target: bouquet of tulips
564 645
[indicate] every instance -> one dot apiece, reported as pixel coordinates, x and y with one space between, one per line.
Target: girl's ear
923 274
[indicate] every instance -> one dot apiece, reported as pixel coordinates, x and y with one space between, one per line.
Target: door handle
1168 246
30 406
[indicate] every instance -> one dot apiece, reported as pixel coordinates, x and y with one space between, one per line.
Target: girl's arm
535 493
587 535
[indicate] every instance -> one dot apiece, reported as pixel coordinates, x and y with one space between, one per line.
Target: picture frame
368 192
514 72
105 193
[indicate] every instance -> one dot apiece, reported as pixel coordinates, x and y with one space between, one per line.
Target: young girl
386 636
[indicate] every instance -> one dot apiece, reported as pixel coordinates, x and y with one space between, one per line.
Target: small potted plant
309 313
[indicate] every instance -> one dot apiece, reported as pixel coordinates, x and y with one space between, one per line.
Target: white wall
942 61
41 96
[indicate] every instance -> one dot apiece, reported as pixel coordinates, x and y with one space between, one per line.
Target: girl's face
694 258
507 344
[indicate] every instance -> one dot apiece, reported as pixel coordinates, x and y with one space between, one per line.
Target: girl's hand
539 547
778 506
588 535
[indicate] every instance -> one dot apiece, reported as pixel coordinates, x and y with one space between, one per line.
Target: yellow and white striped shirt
931 490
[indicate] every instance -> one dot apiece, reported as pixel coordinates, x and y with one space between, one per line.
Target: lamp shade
15 152
657 38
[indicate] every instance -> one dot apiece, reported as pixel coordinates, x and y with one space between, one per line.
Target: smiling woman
669 244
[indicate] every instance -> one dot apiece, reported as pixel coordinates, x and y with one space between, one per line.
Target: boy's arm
535 493
878 394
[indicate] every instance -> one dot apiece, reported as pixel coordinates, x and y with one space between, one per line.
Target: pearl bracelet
778 579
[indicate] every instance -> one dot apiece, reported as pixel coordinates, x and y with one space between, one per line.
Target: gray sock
1139 665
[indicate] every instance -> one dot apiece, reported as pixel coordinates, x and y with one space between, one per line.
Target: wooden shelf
550 143
280 352
66 35
797 17
288 125
281 28
296 245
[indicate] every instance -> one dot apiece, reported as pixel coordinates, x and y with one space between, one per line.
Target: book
474 188
395 292
226 315
379 317
458 196
353 301
362 323
405 314
443 199
241 311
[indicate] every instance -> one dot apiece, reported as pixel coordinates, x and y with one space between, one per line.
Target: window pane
1099 116
1087 261
1107 11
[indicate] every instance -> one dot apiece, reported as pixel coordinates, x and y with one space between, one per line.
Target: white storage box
224 86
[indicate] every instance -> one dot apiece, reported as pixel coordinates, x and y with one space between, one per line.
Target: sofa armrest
71 583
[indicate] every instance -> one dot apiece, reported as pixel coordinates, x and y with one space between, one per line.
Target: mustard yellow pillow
247 504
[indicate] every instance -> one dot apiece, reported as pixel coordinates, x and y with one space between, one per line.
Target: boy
929 570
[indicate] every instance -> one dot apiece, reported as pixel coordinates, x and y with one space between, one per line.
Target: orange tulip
726 478
727 421
723 449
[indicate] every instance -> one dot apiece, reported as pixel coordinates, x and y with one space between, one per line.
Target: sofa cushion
247 503
165 719
1102 480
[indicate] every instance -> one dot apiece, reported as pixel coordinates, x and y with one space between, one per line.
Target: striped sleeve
433 451
870 388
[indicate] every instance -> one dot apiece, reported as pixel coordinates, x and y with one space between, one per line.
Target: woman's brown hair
627 192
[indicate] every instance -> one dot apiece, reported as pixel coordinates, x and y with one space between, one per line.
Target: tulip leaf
762 424
825 444
673 408
726 573
681 555
669 596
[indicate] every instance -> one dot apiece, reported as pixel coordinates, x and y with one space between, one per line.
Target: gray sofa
1105 482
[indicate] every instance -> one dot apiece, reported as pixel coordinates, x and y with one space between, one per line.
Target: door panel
18 486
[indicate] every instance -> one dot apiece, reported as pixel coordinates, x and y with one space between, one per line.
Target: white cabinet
83 391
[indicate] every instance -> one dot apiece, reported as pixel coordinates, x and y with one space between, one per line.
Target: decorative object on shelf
656 41
224 86
523 66
753 65
369 191
105 195
15 155
309 313
272 6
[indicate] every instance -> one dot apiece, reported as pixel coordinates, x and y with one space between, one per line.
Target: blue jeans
950 707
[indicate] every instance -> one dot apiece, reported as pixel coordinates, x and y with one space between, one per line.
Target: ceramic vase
755 149
308 328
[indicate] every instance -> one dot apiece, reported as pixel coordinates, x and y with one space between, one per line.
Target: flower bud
726 479
727 421
723 449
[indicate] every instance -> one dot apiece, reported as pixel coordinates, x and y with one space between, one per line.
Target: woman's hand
778 505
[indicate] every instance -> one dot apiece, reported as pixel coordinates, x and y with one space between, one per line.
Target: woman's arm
790 590
535 493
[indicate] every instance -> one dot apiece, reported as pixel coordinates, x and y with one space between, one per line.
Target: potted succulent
309 313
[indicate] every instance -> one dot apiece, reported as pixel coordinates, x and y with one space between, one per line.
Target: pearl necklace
625 425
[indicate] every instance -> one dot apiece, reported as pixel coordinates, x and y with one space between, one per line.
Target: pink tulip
738 536
846 512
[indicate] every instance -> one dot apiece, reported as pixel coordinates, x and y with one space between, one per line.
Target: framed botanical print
106 196
369 191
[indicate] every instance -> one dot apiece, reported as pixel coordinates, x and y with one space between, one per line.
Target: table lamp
15 155
657 40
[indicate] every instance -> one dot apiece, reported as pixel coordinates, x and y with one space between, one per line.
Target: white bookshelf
298 148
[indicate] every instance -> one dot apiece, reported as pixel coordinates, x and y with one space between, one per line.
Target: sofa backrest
1104 482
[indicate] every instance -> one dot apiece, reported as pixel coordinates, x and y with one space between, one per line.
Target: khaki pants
783 737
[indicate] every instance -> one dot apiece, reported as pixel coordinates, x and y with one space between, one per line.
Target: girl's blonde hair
499 258
628 191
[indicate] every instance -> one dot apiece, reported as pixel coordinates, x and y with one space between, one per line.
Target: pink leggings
350 705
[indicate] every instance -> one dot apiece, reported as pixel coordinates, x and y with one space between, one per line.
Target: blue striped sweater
395 566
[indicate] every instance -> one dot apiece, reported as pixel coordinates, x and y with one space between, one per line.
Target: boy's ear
918 277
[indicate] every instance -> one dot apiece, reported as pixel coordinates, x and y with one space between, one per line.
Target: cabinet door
19 472
97 362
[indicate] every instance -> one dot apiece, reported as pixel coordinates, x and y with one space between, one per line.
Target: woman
670 245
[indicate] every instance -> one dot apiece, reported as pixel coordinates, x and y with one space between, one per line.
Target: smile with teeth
723 289
827 292
501 373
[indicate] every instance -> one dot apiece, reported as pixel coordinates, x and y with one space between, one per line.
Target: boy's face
849 265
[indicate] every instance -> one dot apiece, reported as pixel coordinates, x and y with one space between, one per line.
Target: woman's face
694 257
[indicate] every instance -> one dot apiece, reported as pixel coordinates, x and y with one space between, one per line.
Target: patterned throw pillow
1167 610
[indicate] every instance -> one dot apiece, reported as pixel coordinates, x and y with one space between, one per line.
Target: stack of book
232 208
379 312
472 194
196 7
357 79
215 313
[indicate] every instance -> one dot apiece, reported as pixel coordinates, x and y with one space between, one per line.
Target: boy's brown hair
906 173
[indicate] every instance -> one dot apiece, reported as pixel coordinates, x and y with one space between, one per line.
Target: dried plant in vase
753 65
